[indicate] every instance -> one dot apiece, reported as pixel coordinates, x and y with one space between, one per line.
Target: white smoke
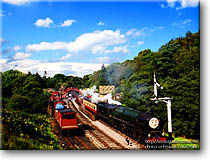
89 91
111 101
95 97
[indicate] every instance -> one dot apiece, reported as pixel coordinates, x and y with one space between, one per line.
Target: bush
27 131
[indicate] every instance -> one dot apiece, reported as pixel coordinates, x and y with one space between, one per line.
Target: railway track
104 141
99 138
74 139
141 146
80 143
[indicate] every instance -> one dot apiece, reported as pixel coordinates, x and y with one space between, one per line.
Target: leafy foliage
177 67
27 131
24 92
24 120
19 102
60 79
180 143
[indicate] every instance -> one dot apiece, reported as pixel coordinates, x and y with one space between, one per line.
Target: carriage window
69 116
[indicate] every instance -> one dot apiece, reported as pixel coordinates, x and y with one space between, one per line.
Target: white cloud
43 22
118 49
131 31
98 49
21 55
46 22
183 23
187 22
156 28
43 46
3 61
17 48
171 3
67 23
18 2
52 68
140 43
100 23
142 32
189 3
102 60
95 42
105 60
182 3
91 41
135 32
3 65
66 57
81 69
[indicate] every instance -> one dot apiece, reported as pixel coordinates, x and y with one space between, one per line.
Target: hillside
177 66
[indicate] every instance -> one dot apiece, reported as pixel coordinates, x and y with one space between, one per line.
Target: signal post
166 100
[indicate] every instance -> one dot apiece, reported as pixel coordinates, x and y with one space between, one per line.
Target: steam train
141 126
65 117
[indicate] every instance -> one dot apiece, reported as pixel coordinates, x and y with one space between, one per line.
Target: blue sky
76 38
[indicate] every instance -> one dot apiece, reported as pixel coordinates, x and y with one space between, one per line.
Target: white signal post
166 100
156 84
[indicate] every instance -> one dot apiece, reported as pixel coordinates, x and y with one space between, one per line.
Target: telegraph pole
166 100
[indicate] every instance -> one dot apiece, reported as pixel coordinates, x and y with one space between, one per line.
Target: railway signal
166 100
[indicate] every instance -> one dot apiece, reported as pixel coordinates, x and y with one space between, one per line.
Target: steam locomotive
138 125
141 126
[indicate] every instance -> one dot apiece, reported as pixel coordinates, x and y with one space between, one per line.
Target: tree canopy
177 68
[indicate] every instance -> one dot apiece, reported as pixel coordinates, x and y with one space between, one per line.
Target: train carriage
67 119
90 108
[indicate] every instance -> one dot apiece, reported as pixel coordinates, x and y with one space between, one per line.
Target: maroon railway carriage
90 108
86 106
66 118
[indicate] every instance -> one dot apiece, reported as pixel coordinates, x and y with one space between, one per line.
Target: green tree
102 76
19 102
12 80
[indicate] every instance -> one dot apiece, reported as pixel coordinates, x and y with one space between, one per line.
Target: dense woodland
177 68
